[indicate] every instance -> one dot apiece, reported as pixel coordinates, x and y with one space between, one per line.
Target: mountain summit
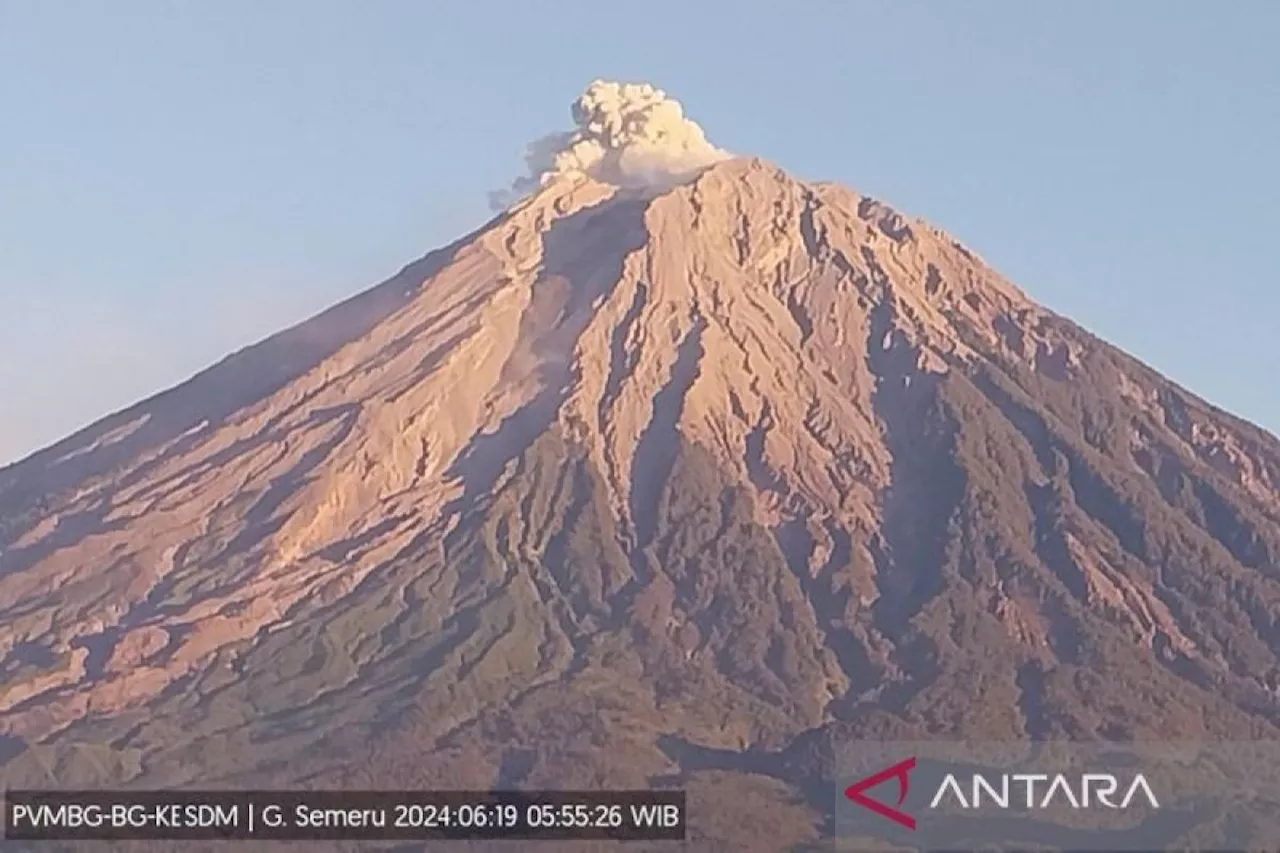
677 480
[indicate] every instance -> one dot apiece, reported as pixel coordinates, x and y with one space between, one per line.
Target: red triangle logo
857 792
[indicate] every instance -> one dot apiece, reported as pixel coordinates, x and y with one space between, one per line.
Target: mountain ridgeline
623 489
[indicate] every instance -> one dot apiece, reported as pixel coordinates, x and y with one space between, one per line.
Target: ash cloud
630 135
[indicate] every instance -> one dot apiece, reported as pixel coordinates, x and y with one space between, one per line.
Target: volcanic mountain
671 486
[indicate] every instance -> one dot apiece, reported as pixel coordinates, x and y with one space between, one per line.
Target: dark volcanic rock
619 490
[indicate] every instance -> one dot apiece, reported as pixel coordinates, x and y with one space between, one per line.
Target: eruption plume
627 134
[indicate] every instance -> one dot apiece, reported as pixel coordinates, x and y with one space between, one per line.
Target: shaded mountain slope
642 489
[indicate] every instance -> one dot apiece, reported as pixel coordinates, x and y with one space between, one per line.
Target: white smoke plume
628 134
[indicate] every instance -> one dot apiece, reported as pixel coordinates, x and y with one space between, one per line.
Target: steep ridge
639 486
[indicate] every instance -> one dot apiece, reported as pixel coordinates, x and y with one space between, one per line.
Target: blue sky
180 179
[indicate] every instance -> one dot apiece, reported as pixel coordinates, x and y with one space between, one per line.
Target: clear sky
178 180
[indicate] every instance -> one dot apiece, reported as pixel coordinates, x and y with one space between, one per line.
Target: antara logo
1080 792
857 792
1003 791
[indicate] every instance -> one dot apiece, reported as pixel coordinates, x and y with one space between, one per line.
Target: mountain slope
629 487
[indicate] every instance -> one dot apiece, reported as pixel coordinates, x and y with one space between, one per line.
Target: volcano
675 485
